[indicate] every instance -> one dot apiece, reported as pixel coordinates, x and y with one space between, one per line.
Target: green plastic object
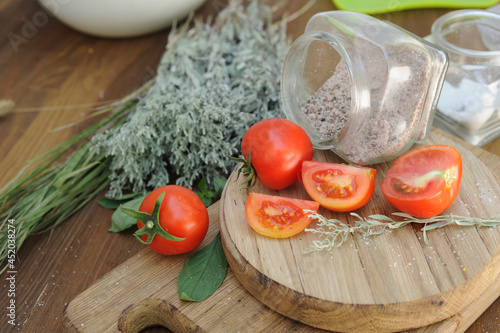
384 6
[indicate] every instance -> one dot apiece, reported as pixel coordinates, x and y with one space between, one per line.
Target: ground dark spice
328 107
397 92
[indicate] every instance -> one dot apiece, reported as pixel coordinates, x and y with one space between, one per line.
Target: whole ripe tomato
181 214
338 187
278 217
277 148
425 181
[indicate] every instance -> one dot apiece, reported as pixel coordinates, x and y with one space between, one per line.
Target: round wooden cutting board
385 283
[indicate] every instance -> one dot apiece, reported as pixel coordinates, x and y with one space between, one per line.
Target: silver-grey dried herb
214 81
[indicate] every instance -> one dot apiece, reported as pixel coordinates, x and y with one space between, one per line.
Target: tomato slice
425 181
278 217
338 187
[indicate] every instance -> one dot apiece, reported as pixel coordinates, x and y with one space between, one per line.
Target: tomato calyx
151 222
246 169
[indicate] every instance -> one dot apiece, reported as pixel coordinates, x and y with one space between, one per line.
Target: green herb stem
47 190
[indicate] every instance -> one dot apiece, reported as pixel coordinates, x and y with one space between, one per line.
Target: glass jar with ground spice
362 87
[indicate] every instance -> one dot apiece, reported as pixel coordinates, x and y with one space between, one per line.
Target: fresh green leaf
114 203
204 193
219 184
203 272
121 221
208 195
203 185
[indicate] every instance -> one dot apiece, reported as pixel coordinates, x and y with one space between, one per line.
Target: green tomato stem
246 169
151 222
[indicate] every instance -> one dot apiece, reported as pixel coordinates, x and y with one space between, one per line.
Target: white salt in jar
362 87
469 106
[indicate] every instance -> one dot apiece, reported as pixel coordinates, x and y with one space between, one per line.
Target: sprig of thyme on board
334 233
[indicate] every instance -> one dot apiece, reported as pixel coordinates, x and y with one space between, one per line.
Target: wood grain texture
141 293
385 283
60 67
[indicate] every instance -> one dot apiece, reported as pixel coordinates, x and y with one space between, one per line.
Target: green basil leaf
121 221
207 195
207 201
203 185
219 184
203 272
114 203
204 192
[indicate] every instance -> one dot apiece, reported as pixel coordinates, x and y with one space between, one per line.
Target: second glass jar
362 87
469 106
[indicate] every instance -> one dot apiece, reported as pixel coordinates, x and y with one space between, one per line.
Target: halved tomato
338 187
278 217
425 181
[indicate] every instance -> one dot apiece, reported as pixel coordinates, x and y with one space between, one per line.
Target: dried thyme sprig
334 232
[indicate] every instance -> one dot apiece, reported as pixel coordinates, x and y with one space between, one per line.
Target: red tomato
277 149
338 187
425 181
182 214
278 217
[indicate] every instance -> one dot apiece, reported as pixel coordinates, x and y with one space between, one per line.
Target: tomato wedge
278 217
338 187
425 181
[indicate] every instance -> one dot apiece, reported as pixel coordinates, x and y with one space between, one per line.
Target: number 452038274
11 244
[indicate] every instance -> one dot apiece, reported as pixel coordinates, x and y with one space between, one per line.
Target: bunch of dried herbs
213 82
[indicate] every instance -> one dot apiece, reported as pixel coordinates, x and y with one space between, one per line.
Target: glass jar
469 106
362 87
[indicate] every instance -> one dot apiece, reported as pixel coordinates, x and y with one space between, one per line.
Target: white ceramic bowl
119 18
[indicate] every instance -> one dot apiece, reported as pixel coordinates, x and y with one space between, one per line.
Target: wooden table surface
47 66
